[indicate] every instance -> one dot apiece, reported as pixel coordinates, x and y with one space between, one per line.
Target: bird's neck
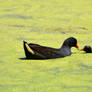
65 50
65 46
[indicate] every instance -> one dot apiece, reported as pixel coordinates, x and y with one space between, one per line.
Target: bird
36 51
87 49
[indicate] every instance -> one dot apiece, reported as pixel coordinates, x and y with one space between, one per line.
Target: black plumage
87 49
35 51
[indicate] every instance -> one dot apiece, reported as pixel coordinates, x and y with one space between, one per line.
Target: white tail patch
29 49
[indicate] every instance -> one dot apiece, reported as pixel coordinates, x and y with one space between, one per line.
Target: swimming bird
36 51
87 49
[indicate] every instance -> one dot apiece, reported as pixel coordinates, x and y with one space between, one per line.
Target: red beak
77 46
82 49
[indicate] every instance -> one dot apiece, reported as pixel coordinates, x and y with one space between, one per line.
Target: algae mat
49 23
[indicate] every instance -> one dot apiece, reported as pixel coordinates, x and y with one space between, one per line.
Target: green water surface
48 23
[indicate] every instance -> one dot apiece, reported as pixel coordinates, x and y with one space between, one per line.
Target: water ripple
16 16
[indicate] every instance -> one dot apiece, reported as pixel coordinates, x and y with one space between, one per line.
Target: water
49 23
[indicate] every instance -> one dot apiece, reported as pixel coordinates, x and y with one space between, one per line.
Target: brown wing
46 51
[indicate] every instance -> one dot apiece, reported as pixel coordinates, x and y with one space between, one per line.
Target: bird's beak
82 49
77 46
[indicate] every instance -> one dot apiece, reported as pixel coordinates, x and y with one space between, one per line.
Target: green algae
49 23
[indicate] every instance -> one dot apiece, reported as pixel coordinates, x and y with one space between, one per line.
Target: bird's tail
27 48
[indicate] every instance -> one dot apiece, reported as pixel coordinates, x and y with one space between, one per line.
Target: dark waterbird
87 49
35 51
